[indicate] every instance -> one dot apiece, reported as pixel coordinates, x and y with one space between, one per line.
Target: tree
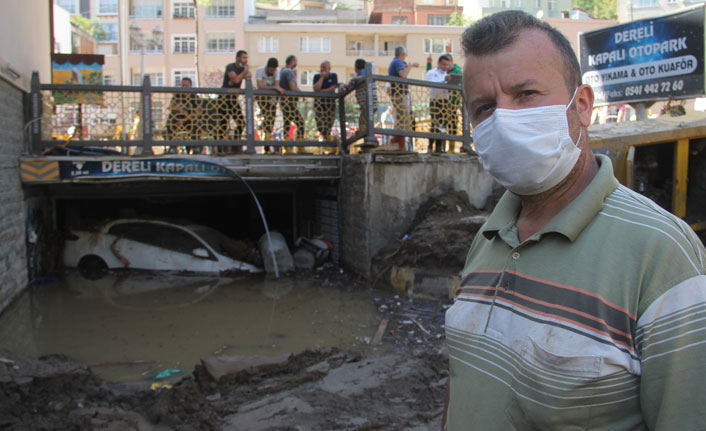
92 26
599 9
457 19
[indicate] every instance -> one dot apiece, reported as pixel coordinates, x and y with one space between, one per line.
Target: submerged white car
153 245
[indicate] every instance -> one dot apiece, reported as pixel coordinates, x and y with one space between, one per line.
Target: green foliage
92 26
600 9
458 19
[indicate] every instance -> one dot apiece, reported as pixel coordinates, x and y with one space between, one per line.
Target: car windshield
211 236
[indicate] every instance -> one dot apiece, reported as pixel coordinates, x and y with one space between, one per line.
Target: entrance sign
650 59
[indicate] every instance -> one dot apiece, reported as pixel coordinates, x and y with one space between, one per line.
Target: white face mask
528 151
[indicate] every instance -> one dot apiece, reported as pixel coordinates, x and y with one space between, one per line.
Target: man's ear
584 104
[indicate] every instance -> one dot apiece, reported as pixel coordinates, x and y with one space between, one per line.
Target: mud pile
438 239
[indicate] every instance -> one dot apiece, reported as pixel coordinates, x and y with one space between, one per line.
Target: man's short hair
289 59
360 64
239 53
399 50
444 57
186 78
272 62
498 31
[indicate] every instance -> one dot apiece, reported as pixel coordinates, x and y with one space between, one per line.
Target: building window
645 3
179 74
268 44
151 46
438 46
438 19
398 19
220 42
388 47
315 44
519 4
183 10
537 4
306 78
182 44
551 5
70 5
111 32
156 79
221 9
108 7
146 9
108 80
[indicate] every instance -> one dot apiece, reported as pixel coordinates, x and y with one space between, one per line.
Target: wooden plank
681 166
380 332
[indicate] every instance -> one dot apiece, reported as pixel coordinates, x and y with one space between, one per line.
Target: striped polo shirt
596 322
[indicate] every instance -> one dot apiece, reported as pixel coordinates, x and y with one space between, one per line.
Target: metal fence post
249 116
369 139
342 123
146 115
35 113
466 147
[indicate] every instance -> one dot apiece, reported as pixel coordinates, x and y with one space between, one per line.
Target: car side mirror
200 252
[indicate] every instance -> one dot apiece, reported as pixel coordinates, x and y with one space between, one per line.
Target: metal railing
97 119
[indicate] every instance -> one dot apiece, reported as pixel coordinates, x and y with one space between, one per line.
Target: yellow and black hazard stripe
39 170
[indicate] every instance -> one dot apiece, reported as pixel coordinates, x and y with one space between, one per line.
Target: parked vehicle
153 245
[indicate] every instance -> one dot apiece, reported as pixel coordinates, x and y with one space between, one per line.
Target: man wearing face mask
582 303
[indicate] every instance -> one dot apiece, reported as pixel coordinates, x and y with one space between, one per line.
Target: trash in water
167 373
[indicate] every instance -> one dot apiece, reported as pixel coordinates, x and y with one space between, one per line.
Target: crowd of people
444 105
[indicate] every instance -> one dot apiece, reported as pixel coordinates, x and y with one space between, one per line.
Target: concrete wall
379 196
13 266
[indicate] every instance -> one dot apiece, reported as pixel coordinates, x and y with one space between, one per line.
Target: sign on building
650 59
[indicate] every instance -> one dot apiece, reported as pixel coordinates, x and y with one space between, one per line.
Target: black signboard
649 59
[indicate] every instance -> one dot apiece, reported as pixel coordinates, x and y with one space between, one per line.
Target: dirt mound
438 240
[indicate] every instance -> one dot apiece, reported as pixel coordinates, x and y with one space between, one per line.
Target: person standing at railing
399 93
288 104
454 100
361 94
439 103
229 107
388 122
183 109
324 109
267 78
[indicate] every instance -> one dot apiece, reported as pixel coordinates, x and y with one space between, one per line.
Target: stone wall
13 260
380 193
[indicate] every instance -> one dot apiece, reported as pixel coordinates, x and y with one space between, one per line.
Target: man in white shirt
439 103
267 78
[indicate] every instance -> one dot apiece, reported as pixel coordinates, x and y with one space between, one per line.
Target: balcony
360 52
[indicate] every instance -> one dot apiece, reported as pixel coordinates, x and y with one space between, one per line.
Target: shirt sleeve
671 340
316 78
399 66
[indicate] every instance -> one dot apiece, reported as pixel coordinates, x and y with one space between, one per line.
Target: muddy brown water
174 320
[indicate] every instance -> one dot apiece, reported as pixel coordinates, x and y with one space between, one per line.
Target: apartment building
414 12
632 10
342 44
168 51
477 9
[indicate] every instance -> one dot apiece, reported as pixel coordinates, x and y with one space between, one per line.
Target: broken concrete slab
220 366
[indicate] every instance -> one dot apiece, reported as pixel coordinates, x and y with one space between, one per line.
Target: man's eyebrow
516 87
524 84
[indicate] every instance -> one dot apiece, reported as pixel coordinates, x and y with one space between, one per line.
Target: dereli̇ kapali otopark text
657 48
